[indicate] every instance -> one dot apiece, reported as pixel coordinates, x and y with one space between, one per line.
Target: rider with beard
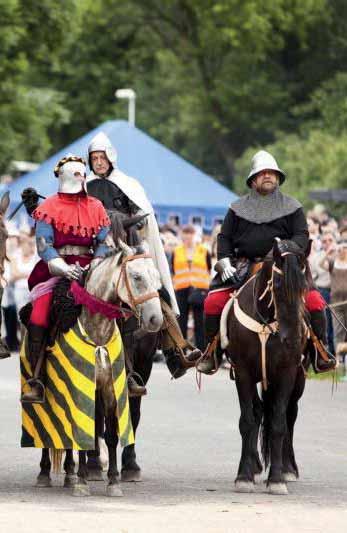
122 193
247 236
71 228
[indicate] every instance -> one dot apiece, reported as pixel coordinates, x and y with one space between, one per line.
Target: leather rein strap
264 330
134 301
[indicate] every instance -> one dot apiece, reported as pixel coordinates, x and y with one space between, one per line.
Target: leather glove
58 267
30 199
283 246
226 270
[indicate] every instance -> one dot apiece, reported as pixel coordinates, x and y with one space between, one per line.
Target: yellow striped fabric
67 418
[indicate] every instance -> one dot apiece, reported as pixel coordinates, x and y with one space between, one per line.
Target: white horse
127 275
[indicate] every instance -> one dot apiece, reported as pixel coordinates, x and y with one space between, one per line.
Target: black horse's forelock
294 278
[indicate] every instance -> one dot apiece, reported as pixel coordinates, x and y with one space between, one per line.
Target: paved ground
189 449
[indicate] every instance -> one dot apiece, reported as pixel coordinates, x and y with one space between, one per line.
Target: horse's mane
294 281
130 236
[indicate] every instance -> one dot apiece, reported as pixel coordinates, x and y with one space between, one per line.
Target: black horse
140 347
273 299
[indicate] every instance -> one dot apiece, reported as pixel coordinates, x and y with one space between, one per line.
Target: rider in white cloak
120 192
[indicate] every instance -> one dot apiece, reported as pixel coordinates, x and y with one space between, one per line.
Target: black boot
37 341
319 326
211 362
174 364
134 388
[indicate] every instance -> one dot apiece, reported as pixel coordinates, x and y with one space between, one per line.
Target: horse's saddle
64 311
245 269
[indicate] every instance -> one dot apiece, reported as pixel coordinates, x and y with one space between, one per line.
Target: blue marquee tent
175 187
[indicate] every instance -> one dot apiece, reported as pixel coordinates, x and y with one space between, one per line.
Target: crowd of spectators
199 252
328 261
22 257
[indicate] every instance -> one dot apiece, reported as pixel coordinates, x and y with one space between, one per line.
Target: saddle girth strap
263 331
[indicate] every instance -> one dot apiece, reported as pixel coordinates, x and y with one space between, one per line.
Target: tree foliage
31 33
215 79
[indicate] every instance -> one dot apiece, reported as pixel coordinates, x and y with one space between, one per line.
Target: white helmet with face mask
71 172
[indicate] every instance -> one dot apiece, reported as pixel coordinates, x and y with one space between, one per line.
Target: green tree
30 36
315 157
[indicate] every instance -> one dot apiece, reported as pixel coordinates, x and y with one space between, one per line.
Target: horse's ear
132 221
124 247
308 249
109 241
4 202
276 247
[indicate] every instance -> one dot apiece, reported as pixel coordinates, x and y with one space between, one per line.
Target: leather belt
70 249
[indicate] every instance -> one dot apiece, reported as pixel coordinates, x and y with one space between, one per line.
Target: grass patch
341 374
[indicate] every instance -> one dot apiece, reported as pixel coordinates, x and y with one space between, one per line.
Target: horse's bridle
269 289
134 301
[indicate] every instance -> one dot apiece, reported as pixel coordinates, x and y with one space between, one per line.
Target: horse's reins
134 301
268 289
263 329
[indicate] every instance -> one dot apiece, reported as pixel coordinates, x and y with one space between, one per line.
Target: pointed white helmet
263 160
101 143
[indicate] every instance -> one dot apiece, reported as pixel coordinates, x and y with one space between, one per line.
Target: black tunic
111 196
241 238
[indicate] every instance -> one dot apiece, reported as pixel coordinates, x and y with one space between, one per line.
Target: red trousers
216 300
41 308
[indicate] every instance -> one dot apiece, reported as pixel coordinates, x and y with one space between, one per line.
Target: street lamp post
130 95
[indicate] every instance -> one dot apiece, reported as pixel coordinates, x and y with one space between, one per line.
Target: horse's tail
56 459
265 425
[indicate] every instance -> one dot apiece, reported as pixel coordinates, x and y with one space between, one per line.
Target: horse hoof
131 475
94 474
114 491
81 490
43 482
70 481
257 479
244 486
289 477
279 489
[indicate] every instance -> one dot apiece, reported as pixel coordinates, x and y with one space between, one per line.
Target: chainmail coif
262 209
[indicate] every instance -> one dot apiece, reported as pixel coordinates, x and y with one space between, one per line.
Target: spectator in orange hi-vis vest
191 268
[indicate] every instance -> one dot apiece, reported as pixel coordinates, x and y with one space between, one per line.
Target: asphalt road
188 447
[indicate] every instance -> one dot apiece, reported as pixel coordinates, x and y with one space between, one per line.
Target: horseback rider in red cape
71 228
247 235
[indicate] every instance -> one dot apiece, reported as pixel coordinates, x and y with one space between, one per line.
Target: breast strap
263 331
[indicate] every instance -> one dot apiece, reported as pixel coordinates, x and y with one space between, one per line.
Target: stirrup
34 382
140 393
327 358
210 353
185 361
